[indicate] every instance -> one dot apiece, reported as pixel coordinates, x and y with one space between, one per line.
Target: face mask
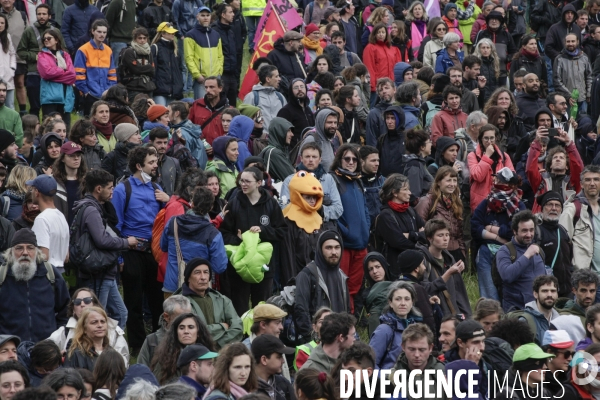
146 178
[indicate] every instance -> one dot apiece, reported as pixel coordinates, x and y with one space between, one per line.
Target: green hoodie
275 155
432 364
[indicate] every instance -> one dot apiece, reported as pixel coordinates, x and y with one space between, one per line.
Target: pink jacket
51 72
480 167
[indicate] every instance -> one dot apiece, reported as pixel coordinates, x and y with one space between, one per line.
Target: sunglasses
86 300
48 38
350 159
567 353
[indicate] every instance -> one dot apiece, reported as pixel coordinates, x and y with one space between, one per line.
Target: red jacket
480 167
200 112
380 60
541 179
478 25
446 122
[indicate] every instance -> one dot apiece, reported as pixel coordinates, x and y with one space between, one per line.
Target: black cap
194 352
409 260
468 330
191 266
265 345
549 196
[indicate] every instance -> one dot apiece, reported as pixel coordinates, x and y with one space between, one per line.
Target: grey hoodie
533 305
327 153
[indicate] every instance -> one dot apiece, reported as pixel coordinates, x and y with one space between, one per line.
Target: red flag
273 30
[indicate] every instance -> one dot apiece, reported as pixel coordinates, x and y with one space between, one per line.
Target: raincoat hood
320 119
443 143
374 255
542 110
45 142
219 146
399 71
398 114
299 211
241 127
278 128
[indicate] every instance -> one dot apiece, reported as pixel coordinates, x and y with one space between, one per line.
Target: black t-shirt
72 188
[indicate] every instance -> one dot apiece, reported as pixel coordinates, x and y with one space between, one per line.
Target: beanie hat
448 7
6 139
125 130
24 236
549 196
192 264
310 28
155 112
441 83
409 260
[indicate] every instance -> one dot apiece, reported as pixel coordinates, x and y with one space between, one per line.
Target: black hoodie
391 145
288 63
298 113
555 39
46 161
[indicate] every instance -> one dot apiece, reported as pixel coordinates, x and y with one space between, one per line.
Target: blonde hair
18 176
80 340
377 15
410 17
157 37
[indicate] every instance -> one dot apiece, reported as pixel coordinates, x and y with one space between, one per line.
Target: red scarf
531 56
105 129
398 207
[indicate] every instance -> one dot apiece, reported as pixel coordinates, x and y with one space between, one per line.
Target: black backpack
182 154
495 355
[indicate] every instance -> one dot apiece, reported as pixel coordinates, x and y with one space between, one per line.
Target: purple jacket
50 71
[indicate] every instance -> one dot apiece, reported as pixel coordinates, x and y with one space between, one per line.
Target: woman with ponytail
311 384
398 226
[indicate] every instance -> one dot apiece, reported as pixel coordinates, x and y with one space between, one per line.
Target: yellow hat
166 27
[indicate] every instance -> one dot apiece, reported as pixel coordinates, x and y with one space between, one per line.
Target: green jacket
107 145
226 177
29 47
11 121
275 155
224 312
432 364
319 360
120 15
150 345
376 301
572 308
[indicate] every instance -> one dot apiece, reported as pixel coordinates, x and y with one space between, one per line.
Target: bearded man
33 295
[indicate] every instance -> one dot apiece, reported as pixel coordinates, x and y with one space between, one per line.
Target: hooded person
222 165
400 69
275 155
391 145
555 39
321 283
297 110
115 161
511 130
303 221
322 137
376 284
444 155
213 308
50 148
241 128
7 161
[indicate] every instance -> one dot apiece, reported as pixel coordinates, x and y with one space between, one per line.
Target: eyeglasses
488 139
86 300
245 182
441 29
350 159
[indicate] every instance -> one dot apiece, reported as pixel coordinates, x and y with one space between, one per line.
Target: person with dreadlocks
491 226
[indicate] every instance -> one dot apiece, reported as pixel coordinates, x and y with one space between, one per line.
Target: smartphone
552 132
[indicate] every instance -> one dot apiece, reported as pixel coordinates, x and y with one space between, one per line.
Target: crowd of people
166 236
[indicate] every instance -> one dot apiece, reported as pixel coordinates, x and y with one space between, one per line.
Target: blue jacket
135 372
96 71
411 116
372 186
197 238
24 357
241 128
354 223
443 61
139 217
229 44
34 309
184 14
16 204
517 277
200 390
399 71
387 338
481 218
192 133
75 23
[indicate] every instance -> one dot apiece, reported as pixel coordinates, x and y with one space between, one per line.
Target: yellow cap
166 27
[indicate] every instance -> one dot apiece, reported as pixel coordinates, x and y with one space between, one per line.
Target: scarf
312 45
504 198
417 30
60 60
143 50
319 172
351 176
29 215
531 56
235 391
447 201
398 207
16 195
572 53
105 129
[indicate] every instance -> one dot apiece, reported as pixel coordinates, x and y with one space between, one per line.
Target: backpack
5 203
49 274
121 68
431 111
294 153
181 153
497 356
496 278
127 184
256 101
83 253
157 230
538 326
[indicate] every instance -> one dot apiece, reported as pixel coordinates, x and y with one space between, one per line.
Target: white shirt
52 232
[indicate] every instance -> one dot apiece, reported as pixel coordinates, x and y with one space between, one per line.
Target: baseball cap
166 27
468 330
265 345
194 352
263 312
70 148
8 338
292 35
330 11
45 184
202 8
530 351
559 339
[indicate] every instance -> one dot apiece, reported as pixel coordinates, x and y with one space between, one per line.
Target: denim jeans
10 99
484 274
110 298
116 48
251 23
162 100
188 81
199 90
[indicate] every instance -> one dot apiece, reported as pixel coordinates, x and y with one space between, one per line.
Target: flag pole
278 17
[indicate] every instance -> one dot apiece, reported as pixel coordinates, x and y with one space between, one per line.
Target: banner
272 31
433 8
286 13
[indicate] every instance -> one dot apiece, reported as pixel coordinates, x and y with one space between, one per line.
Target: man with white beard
554 238
33 295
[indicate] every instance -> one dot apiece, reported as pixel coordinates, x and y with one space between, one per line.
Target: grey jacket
466 144
327 153
269 102
573 73
332 211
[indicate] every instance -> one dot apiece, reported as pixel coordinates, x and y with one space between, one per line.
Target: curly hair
220 377
170 347
59 169
493 101
81 341
457 207
551 153
514 331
